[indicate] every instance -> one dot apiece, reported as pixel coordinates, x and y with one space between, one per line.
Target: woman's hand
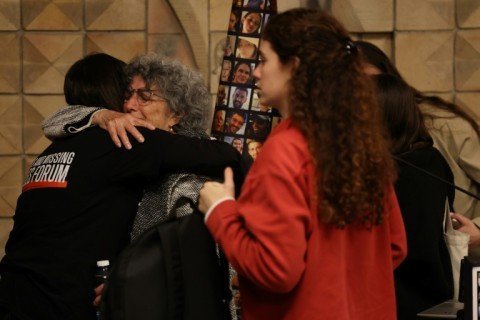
119 125
467 226
212 191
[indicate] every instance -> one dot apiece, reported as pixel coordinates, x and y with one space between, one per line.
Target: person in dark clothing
424 278
81 195
455 134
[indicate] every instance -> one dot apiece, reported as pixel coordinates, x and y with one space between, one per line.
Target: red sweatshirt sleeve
264 234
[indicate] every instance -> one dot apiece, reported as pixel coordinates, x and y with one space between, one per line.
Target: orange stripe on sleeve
44 184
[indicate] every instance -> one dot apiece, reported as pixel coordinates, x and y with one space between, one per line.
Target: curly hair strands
183 88
334 104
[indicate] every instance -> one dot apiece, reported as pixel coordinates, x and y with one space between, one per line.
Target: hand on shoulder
119 125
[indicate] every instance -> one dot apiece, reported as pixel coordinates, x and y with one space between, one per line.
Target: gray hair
186 94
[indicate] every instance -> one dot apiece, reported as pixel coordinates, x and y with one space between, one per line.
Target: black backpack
172 271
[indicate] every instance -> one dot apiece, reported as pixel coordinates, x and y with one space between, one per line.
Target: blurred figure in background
455 134
424 278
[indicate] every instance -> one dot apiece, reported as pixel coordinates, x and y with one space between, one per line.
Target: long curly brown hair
333 103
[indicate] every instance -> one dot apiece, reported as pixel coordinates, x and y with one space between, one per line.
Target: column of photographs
239 118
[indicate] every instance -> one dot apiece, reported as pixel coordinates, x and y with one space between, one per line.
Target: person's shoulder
286 141
428 158
440 119
440 115
90 131
421 154
429 108
158 134
286 131
456 124
144 130
94 140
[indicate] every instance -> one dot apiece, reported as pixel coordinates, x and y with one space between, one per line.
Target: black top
425 278
77 207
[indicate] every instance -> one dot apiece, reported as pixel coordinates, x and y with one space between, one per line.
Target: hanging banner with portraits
239 117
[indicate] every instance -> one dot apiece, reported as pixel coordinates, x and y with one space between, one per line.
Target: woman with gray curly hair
183 89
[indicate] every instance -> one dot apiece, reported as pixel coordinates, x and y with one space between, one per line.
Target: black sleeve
180 154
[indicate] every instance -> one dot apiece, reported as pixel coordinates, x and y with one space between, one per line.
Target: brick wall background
434 43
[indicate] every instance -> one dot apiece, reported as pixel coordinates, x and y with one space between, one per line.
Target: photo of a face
222 96
247 48
257 105
234 20
264 108
250 23
226 70
255 99
242 72
239 98
258 126
235 123
218 121
236 142
254 148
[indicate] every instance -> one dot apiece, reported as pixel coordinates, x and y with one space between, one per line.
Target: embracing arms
73 119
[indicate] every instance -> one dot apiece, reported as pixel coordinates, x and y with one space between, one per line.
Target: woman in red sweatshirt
316 232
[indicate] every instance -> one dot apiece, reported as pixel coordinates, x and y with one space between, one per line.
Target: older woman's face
156 110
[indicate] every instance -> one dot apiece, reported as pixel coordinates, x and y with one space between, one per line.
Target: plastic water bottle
100 277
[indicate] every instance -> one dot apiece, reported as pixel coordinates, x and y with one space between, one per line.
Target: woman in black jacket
424 278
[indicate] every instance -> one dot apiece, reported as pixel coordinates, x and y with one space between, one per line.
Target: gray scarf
172 196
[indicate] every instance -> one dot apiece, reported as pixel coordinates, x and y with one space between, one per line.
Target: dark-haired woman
425 277
455 134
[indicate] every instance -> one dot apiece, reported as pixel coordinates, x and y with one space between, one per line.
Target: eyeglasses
144 95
